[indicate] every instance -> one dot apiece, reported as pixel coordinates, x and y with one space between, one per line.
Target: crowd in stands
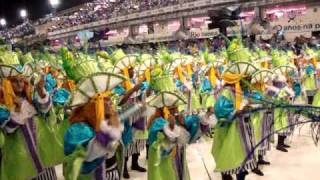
104 9
89 12
21 30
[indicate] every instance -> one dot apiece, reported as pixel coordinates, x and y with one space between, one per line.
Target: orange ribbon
99 105
180 74
127 84
212 77
231 78
8 93
147 74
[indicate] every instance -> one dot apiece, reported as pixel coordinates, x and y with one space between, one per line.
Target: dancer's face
18 84
108 106
174 111
131 72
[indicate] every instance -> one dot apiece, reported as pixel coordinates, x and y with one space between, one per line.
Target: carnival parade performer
24 130
233 138
132 91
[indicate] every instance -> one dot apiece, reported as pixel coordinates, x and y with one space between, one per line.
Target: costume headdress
6 72
95 88
122 63
239 68
146 63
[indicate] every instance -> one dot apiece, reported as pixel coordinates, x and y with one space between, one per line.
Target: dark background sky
9 9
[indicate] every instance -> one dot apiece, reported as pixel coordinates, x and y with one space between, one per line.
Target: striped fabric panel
112 174
47 174
249 166
136 147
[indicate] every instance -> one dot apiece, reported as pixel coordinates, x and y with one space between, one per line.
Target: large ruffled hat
145 65
234 73
167 94
166 99
122 64
95 88
287 70
7 71
261 77
239 67
211 64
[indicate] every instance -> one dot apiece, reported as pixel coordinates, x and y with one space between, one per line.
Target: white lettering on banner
195 35
210 33
298 27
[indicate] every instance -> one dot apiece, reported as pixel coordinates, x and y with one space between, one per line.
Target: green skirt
231 148
172 166
281 121
29 150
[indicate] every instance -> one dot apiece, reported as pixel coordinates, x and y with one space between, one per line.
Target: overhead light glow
3 22
54 3
23 13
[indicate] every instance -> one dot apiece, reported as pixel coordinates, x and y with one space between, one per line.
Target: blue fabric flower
178 83
119 90
309 69
4 115
77 134
257 96
51 83
297 89
156 127
61 96
144 85
192 123
206 86
223 107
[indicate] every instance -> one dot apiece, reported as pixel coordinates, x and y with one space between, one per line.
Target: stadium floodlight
23 13
3 22
54 3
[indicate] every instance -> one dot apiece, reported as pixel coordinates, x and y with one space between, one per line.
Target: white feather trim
280 78
208 120
27 111
184 136
95 150
171 134
131 111
114 132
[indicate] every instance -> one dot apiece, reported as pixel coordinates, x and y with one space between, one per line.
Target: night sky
9 9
